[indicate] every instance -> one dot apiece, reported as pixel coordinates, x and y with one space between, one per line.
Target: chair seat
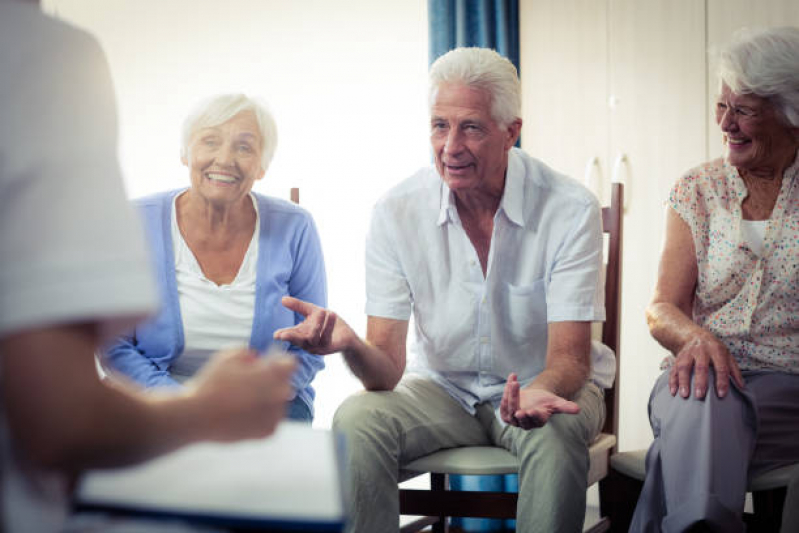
490 460
633 464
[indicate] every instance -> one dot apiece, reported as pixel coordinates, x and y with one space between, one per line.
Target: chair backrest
612 225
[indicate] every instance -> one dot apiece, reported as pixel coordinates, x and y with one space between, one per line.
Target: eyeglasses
738 112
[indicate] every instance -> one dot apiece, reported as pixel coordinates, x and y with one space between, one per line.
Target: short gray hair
221 108
764 63
485 69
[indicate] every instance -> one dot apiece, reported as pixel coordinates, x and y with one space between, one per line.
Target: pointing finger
298 306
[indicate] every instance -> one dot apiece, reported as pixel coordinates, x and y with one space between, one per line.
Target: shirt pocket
524 311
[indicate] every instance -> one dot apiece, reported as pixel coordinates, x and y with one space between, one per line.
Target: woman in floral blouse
727 302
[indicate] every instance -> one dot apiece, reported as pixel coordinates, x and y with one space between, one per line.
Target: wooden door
657 86
563 49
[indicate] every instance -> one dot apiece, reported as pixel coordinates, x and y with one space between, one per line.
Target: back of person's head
764 63
219 109
480 68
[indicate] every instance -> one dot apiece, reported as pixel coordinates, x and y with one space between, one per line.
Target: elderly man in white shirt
498 258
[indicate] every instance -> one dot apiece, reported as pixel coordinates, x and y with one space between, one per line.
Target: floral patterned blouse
749 301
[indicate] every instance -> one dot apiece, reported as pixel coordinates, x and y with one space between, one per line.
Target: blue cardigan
290 262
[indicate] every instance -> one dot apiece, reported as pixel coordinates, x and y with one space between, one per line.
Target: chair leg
618 495
767 506
438 483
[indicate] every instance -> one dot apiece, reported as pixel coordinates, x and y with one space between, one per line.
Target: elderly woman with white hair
726 302
224 256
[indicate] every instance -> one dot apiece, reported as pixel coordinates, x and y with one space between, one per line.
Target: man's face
471 149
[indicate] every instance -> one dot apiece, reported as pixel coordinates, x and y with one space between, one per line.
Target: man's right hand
531 407
242 395
322 332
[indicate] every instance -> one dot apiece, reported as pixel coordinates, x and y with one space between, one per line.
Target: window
346 81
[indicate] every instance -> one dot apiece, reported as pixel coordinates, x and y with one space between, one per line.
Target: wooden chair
438 503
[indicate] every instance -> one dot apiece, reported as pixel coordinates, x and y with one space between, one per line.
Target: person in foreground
498 258
73 272
727 302
224 255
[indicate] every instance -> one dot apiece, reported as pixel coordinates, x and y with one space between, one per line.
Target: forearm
563 379
568 363
672 327
376 369
64 417
128 429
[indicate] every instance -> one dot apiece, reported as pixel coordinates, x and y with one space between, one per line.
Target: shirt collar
447 205
512 201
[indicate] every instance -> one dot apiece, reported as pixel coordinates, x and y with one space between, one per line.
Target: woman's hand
696 357
322 332
530 408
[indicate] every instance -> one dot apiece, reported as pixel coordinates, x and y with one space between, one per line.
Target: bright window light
346 81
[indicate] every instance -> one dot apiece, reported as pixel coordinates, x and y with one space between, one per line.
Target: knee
366 427
358 412
560 441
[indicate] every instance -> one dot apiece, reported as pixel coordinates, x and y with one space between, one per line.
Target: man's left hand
530 407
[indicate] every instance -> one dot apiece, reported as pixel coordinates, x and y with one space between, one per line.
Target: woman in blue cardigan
224 256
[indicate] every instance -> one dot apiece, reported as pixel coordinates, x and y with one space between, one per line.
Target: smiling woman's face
756 138
225 160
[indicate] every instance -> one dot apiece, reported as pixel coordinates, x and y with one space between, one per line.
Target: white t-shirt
214 316
753 233
71 248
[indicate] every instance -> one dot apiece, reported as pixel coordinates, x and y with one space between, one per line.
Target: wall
605 78
346 81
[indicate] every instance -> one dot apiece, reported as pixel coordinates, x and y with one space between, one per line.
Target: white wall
346 81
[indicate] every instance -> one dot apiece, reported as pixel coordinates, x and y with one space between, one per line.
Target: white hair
485 69
221 108
764 63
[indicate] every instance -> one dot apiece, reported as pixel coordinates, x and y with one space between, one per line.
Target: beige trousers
384 430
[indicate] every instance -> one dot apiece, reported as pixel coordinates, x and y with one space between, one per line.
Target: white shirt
753 234
71 248
214 316
471 331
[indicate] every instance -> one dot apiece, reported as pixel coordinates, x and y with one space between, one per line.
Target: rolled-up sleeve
575 290
388 294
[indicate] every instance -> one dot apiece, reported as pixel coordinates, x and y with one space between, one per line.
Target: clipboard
290 481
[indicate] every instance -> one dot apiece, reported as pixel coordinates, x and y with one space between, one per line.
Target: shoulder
417 194
22 19
710 179
276 211
62 61
708 174
548 189
153 203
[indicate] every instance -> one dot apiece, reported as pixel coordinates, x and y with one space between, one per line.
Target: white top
214 316
71 248
753 233
544 266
